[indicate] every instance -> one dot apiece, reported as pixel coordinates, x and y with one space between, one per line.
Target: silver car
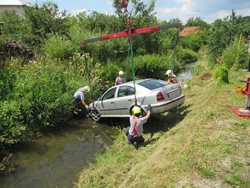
118 100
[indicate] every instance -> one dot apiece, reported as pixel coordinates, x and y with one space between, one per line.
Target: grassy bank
203 144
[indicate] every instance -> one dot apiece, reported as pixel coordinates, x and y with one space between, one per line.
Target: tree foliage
45 20
235 55
197 21
223 32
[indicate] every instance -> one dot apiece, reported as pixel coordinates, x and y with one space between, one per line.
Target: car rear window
152 84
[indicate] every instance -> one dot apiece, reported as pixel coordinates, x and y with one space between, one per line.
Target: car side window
110 94
125 91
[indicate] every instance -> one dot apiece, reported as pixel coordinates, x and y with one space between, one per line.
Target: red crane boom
125 34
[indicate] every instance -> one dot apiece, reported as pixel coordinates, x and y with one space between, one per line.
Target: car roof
136 81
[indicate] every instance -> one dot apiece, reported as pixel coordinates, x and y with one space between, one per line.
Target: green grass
235 180
202 144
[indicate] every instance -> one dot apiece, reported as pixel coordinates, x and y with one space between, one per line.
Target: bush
12 128
186 56
195 41
90 72
7 79
41 96
235 55
154 66
59 47
221 74
109 72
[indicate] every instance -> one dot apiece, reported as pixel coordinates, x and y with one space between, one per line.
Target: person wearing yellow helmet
120 79
136 126
79 98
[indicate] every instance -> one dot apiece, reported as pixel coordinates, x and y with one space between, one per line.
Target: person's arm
148 114
149 108
83 102
145 118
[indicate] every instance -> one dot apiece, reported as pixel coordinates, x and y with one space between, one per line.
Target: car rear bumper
168 105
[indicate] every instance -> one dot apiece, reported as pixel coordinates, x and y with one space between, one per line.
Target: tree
14 27
45 20
141 15
197 21
223 32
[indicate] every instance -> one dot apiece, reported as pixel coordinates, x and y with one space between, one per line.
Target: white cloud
183 12
244 12
208 10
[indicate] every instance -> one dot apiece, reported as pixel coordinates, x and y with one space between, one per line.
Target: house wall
18 9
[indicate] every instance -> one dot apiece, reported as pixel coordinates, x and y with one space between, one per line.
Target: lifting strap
135 133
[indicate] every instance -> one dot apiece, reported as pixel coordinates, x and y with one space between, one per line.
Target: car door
107 105
125 98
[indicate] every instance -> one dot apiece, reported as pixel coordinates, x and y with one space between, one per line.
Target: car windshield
152 84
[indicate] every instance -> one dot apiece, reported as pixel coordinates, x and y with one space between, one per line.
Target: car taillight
159 96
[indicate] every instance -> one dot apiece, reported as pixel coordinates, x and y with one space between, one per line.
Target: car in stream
119 100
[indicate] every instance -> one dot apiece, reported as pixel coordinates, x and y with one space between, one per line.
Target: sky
208 10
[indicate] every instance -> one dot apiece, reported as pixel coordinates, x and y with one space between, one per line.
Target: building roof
12 2
188 30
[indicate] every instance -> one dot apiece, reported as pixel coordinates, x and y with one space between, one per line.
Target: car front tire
95 115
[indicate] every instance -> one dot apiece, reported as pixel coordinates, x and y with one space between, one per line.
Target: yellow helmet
136 110
86 88
121 73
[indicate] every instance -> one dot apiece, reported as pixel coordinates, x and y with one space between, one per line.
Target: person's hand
149 108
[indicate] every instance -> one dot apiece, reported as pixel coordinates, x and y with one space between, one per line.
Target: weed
236 165
235 179
241 124
206 171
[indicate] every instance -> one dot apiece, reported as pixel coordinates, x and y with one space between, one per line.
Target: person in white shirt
136 126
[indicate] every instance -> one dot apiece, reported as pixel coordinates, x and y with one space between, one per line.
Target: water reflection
56 159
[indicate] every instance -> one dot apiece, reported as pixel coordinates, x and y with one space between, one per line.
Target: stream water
186 74
55 160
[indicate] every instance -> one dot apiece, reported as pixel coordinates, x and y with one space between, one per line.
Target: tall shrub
186 56
57 46
154 66
235 55
7 79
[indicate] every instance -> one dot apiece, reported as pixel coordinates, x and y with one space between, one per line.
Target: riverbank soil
202 144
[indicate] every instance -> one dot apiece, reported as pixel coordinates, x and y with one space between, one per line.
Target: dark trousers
135 140
78 106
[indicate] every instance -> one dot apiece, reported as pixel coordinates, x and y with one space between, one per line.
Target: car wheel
95 115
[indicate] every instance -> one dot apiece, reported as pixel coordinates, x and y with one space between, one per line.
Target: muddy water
55 160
